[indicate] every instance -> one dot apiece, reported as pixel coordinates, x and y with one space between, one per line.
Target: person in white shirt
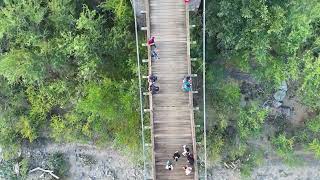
187 169
186 150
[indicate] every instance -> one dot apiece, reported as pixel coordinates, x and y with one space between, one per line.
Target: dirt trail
89 162
307 168
108 164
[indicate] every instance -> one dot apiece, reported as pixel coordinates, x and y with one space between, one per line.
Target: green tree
64 64
251 120
284 148
314 146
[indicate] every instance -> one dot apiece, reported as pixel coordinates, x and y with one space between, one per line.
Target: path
172 108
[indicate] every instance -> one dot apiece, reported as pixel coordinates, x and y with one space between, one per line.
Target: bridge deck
172 108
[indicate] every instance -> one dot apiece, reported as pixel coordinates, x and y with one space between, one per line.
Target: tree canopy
68 70
252 48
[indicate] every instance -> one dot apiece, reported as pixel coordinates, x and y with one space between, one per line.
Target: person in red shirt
151 42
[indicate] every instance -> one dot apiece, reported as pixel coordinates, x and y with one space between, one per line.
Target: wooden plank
172 109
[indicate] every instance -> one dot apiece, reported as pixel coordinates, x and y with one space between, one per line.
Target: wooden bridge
171 110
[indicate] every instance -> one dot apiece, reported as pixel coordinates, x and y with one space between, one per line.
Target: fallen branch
44 170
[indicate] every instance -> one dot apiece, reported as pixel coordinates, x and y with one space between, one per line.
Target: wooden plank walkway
172 109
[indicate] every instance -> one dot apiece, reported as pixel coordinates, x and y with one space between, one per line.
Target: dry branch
44 170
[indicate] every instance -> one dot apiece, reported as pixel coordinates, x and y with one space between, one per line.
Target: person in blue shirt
187 86
169 165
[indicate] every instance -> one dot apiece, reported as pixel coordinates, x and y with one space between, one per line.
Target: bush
253 160
251 120
58 164
314 125
314 146
7 169
284 148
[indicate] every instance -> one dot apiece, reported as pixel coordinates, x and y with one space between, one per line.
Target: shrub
58 164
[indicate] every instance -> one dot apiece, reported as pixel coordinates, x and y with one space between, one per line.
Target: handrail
140 90
194 144
147 5
204 87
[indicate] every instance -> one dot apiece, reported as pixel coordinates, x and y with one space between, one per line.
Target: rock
16 169
1 155
276 104
111 173
280 95
282 173
286 111
243 102
284 86
282 92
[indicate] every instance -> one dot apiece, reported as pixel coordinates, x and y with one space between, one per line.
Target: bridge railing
148 24
194 144
200 129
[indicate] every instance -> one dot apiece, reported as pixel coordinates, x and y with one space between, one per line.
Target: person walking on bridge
187 169
176 155
153 89
190 159
151 42
186 84
152 78
154 55
186 150
169 165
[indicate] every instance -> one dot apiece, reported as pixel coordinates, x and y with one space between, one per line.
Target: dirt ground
272 170
90 163
108 164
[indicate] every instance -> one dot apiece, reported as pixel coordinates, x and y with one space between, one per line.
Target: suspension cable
140 89
204 87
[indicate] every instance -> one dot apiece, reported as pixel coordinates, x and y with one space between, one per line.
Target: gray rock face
280 95
282 92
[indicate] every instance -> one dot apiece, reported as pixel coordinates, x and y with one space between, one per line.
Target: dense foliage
252 47
67 68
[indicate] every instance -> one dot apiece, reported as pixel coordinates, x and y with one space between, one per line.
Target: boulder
280 95
282 92
284 86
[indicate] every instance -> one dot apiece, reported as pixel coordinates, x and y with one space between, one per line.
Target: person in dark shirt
176 155
190 159
153 89
153 78
154 55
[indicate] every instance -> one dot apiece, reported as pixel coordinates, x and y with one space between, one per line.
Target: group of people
190 160
152 80
186 83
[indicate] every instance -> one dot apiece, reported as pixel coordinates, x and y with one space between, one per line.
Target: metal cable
140 91
204 88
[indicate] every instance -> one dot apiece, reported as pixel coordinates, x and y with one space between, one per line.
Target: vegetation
284 147
67 68
58 164
252 48
67 72
7 168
